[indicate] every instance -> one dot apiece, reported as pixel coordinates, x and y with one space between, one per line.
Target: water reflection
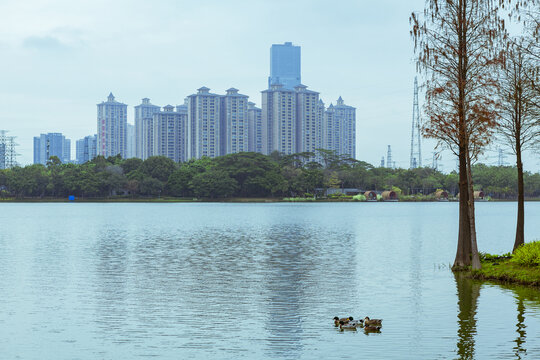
468 292
520 330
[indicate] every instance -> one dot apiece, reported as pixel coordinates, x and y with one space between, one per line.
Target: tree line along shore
247 177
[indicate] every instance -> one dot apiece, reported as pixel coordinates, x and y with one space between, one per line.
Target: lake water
256 281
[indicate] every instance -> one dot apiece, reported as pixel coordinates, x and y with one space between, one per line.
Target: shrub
527 254
359 197
494 258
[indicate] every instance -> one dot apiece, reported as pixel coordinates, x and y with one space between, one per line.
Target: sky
59 58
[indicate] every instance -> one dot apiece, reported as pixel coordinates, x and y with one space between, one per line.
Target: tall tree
454 43
519 123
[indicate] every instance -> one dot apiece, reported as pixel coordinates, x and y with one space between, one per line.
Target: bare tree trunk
520 237
463 254
474 245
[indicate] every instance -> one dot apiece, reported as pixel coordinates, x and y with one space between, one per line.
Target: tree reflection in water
520 329
468 292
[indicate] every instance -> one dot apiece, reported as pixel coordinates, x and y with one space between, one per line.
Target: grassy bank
522 267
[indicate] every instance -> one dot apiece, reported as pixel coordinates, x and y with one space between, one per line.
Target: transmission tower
382 161
501 157
416 149
389 162
8 155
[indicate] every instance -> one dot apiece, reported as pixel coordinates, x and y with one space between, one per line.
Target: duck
346 326
368 321
337 320
356 323
372 328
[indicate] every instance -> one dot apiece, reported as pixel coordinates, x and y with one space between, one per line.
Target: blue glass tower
284 65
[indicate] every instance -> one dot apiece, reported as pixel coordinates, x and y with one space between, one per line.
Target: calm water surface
256 281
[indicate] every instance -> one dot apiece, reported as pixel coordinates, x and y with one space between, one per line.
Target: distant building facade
86 149
51 144
255 140
308 122
279 120
144 137
2 155
204 125
285 65
170 133
291 120
340 129
112 128
130 141
234 122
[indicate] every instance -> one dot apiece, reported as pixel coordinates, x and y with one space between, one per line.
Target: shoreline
502 270
221 200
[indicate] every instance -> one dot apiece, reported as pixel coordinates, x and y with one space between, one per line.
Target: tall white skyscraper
291 120
170 133
111 127
255 140
340 129
279 120
307 118
204 124
234 123
144 128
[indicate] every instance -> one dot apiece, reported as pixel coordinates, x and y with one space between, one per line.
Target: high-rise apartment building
204 124
340 129
130 141
285 65
51 144
308 121
347 116
144 128
234 122
86 149
111 127
279 120
2 155
291 120
255 140
170 133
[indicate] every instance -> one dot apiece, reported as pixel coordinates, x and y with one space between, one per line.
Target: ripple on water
253 281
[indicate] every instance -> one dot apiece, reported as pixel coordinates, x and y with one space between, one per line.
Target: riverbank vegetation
522 267
248 176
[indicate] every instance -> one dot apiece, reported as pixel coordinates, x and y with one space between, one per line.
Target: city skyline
65 56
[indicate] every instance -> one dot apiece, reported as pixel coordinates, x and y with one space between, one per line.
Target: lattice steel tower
416 148
8 155
389 163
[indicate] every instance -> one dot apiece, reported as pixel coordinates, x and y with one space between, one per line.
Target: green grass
522 267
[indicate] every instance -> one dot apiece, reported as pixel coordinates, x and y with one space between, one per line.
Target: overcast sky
59 58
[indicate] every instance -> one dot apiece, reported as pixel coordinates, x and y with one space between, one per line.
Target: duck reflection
468 291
